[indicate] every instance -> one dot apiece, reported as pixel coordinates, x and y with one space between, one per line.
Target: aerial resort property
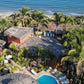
39 49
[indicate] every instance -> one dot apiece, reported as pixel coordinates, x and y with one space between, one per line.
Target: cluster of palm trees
73 40
27 17
65 20
39 57
36 58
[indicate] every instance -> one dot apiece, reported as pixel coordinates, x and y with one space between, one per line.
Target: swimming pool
45 79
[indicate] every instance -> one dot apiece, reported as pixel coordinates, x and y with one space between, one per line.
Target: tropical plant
57 18
40 18
68 20
12 46
77 20
15 57
13 16
23 52
24 11
4 24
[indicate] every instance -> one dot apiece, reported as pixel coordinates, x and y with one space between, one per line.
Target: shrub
12 46
36 69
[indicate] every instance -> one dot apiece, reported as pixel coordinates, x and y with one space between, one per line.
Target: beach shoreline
5 14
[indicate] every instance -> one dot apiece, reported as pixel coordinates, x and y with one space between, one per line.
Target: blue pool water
45 79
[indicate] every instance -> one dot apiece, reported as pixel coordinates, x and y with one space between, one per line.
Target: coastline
5 14
67 7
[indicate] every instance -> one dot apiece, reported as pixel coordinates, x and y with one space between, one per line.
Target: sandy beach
8 13
5 14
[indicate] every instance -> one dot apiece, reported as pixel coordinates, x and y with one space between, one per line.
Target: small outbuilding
18 34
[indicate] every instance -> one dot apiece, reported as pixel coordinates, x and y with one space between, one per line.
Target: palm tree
14 19
80 66
77 20
28 22
16 23
14 16
24 11
40 18
81 60
57 18
4 24
68 19
82 52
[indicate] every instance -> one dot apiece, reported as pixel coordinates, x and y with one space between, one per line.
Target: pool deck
45 72
38 74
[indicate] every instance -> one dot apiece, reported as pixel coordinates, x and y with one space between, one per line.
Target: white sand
5 14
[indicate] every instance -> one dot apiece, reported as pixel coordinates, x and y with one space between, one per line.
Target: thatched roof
17 79
2 43
18 32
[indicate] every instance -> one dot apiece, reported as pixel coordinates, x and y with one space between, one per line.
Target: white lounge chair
8 56
33 72
65 82
4 61
49 69
58 74
54 71
62 77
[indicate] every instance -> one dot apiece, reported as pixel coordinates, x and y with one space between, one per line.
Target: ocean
68 7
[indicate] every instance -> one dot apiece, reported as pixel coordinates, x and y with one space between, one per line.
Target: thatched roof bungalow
17 78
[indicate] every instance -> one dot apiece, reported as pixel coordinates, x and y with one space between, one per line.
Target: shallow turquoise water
71 7
45 79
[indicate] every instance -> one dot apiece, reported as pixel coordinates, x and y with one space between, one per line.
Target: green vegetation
36 59
4 24
73 40
12 46
10 67
27 17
